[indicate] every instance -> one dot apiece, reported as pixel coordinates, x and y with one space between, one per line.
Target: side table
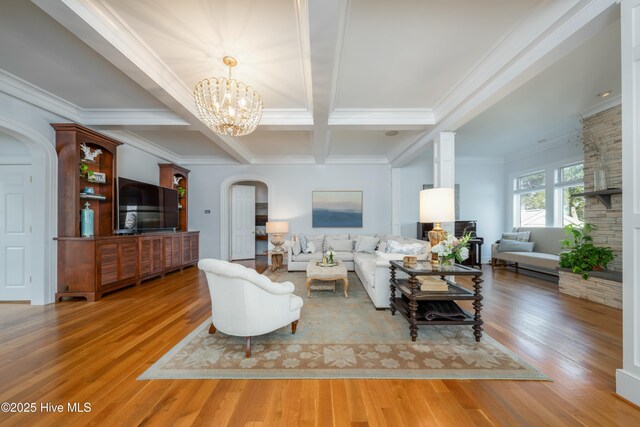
410 296
277 260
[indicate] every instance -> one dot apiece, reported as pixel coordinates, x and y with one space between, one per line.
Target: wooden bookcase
168 173
69 138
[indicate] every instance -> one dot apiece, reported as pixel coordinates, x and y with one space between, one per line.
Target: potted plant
181 191
582 256
85 172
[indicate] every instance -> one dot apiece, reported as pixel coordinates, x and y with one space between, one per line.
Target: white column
444 172
396 201
628 378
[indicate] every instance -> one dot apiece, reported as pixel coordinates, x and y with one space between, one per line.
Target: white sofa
372 269
545 255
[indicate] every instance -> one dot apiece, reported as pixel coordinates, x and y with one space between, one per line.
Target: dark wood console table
410 296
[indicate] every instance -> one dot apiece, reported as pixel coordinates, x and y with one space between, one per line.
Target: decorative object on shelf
85 172
450 250
86 221
97 177
600 173
88 190
410 261
277 229
583 256
228 106
89 154
437 205
337 209
176 180
181 191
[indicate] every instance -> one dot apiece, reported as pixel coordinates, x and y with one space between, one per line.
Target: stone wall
595 289
606 128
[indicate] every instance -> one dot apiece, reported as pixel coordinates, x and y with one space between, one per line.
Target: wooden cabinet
90 267
190 248
172 252
150 253
177 177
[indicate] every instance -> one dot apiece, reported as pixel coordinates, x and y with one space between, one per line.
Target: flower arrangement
329 254
452 248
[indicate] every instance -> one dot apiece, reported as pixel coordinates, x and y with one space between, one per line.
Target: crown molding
283 160
24 91
205 160
600 107
275 117
357 160
383 118
143 144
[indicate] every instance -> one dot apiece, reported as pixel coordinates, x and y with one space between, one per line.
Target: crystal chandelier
227 106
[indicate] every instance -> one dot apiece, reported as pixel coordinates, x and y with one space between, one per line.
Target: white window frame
519 192
559 186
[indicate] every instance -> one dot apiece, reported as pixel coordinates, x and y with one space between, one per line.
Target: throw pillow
311 248
295 247
366 244
515 246
303 243
519 236
318 241
341 245
404 248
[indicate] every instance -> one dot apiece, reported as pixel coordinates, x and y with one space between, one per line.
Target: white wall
290 190
412 178
11 147
139 165
482 182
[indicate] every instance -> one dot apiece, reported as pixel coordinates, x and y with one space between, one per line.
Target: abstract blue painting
337 209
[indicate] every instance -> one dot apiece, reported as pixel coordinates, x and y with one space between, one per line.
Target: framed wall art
337 209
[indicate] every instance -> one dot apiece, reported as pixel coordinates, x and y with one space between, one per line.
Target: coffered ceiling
335 75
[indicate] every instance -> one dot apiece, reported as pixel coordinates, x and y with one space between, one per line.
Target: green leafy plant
85 172
582 256
181 191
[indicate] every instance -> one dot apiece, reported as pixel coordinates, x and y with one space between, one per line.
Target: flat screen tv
146 207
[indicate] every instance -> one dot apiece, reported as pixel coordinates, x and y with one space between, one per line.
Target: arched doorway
41 162
225 208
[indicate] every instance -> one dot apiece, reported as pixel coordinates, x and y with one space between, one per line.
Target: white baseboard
628 386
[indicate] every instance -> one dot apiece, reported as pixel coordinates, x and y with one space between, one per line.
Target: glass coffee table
411 300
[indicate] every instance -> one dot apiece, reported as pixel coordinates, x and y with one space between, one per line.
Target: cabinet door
186 249
195 248
128 257
108 263
150 255
176 247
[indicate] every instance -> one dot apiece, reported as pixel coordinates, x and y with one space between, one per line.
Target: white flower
464 253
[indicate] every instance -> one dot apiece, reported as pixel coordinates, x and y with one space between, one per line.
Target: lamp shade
274 227
437 205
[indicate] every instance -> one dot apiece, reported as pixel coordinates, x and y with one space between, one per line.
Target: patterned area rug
342 338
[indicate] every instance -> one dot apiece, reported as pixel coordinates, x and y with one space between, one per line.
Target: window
569 182
530 200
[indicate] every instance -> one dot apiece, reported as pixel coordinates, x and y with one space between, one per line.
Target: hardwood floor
93 352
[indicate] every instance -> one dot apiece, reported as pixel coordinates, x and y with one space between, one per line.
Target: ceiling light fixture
392 133
604 94
228 106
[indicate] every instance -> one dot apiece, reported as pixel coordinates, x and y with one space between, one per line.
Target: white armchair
245 303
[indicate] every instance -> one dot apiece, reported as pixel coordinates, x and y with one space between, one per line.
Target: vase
86 221
600 179
446 264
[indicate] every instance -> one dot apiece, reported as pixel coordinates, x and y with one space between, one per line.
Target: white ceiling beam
327 20
100 27
383 118
552 33
277 118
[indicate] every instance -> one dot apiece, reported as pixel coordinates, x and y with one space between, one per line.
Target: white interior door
15 229
243 222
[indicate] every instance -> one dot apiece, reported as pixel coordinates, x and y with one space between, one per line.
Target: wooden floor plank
77 351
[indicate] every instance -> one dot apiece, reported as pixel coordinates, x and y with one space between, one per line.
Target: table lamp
277 229
437 205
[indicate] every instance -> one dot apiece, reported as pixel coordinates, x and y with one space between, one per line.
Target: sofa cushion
318 241
383 258
515 246
339 244
539 259
414 248
518 236
295 247
303 242
366 244
547 238
366 266
343 255
311 248
303 257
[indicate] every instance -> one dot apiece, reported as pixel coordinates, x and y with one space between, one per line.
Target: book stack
432 284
